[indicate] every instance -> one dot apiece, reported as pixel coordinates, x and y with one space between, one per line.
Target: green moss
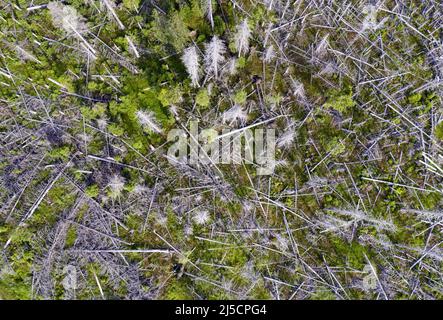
340 100
438 132
131 4
323 293
177 289
351 254
241 62
60 153
202 99
169 97
414 98
170 31
335 147
14 288
92 191
98 110
240 97
71 236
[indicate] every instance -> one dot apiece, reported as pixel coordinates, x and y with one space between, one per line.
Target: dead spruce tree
191 60
214 56
242 37
67 18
